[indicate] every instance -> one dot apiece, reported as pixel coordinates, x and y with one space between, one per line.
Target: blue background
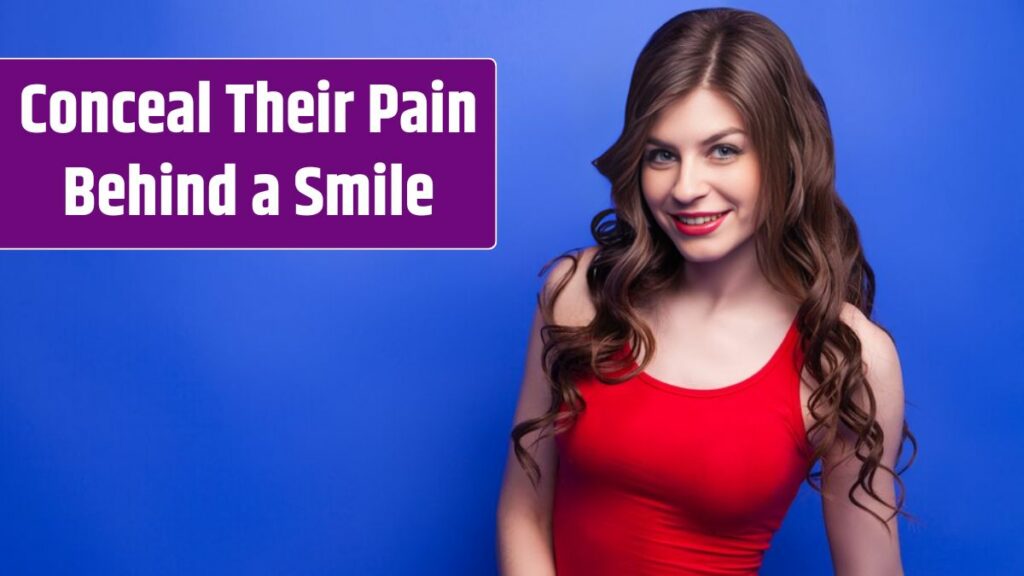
347 412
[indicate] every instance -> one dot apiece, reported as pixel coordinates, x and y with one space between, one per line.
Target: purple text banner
248 153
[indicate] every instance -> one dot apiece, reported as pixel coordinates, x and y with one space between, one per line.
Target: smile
699 226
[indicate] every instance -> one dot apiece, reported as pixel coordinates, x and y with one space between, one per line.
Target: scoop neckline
710 392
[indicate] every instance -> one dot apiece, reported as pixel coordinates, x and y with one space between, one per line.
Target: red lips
700 229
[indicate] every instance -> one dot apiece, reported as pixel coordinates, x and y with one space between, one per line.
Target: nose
689 184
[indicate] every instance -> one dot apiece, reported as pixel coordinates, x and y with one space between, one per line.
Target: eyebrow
716 136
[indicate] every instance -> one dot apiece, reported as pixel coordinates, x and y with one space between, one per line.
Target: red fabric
657 479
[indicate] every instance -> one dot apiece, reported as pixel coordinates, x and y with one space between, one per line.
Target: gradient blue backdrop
347 412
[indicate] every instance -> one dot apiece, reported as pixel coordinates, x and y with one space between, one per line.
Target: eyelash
652 154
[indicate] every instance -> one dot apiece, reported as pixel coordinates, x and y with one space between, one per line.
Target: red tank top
658 479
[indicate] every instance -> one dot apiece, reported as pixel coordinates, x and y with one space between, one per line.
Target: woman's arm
524 514
858 541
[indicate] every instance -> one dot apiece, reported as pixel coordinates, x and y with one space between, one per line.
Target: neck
729 283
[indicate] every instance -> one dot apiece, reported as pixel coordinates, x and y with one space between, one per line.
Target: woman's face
698 160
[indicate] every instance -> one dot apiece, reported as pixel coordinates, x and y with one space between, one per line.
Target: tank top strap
794 353
788 357
787 384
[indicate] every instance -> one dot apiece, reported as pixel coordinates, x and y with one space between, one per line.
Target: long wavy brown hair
807 242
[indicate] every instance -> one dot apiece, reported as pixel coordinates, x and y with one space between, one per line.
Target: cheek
741 186
747 182
646 186
652 184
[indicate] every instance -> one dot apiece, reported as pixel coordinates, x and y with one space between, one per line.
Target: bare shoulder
572 306
878 349
881 368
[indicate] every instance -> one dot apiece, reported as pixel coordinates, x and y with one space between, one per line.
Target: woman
684 374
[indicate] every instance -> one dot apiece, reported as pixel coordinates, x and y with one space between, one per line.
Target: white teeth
698 221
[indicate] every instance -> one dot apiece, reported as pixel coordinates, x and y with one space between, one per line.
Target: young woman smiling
684 375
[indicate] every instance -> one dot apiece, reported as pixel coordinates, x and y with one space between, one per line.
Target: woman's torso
714 359
690 466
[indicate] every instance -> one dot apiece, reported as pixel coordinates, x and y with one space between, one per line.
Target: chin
707 252
700 257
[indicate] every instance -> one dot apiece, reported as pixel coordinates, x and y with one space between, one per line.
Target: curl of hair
807 242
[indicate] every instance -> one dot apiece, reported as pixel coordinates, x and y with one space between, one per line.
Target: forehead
696 116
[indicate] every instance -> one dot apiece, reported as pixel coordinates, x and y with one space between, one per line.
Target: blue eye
729 149
659 156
